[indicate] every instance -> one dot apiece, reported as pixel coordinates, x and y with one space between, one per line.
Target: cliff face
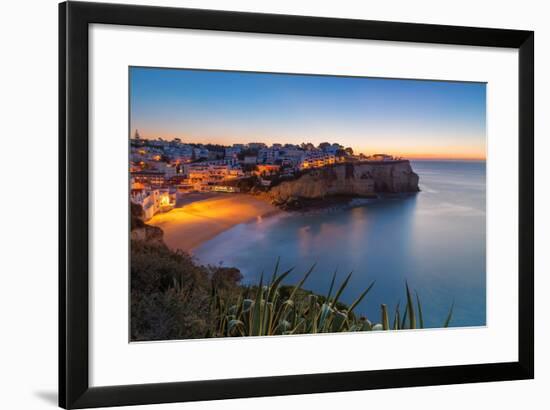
147 233
362 179
139 230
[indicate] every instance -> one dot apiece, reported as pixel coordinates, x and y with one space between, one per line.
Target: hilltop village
162 171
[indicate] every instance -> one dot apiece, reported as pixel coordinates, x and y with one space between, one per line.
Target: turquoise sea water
434 239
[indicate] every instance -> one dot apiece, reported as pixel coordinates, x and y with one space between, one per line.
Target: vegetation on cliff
171 295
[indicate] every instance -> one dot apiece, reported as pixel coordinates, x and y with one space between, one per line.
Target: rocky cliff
140 231
364 179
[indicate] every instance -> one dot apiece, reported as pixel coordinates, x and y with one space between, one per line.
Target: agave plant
262 311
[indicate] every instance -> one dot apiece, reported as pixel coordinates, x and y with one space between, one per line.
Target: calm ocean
434 239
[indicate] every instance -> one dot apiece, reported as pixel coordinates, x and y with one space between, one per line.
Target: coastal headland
188 227
362 179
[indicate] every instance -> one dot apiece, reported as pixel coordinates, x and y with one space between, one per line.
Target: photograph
274 204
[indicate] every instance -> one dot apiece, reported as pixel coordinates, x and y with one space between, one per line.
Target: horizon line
423 157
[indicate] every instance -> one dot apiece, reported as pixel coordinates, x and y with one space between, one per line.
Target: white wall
28 272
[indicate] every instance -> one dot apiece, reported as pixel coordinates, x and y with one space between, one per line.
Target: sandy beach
188 227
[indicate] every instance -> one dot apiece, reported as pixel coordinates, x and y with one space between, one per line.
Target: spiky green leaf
410 308
331 284
420 317
341 289
360 298
385 317
256 321
449 316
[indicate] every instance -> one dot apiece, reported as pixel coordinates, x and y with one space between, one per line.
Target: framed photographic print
256 204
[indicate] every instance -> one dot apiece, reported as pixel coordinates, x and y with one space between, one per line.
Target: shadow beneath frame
47 396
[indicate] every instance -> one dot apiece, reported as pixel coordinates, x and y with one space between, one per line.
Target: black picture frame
74 387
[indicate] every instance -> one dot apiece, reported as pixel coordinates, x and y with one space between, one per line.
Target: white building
204 175
232 152
200 153
154 201
268 155
250 160
381 157
317 159
256 145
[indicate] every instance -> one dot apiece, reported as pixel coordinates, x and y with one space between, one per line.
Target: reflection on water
434 239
